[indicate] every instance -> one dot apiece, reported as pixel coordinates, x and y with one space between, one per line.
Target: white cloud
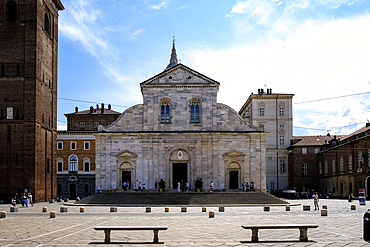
279 3
350 3
337 6
317 60
61 127
158 6
181 7
240 8
137 32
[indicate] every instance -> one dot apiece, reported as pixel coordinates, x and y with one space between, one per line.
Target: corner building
180 132
28 97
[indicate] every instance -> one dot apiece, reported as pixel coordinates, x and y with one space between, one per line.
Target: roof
313 140
363 129
264 95
152 81
95 112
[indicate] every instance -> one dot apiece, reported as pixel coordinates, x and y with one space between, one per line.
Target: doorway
179 172
126 177
72 191
234 183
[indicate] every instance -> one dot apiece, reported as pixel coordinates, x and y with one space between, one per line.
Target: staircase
183 198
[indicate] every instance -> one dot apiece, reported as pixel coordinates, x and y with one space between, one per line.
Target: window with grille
341 167
333 167
350 163
262 111
281 111
304 150
282 165
282 141
326 168
304 169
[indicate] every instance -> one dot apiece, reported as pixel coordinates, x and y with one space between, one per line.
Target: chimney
367 125
109 107
76 109
102 108
97 106
328 134
91 109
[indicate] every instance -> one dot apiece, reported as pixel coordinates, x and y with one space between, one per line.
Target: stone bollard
266 209
204 209
221 209
51 200
324 212
148 209
63 210
287 208
183 210
2 214
44 209
66 200
353 207
166 210
52 214
59 200
82 210
13 209
113 209
324 207
306 207
211 214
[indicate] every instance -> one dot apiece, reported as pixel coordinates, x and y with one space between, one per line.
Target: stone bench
302 229
107 230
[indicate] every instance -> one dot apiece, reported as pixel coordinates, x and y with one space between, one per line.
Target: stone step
183 198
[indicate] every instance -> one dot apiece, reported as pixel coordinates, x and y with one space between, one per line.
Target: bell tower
28 97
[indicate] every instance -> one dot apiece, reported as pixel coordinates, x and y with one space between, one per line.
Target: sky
317 50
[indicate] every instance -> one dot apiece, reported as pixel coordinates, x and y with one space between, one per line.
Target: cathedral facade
180 133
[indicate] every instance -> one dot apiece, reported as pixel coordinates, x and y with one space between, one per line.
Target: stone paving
31 227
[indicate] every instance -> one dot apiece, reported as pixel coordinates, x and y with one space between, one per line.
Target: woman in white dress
178 186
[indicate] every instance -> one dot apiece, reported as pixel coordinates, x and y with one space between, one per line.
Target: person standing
128 185
31 200
139 186
244 186
187 186
24 199
315 198
178 186
156 186
124 186
211 186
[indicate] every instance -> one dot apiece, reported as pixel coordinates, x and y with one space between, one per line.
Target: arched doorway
125 174
233 170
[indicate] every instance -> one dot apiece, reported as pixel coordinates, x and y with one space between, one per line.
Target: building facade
28 97
180 133
76 151
344 164
273 112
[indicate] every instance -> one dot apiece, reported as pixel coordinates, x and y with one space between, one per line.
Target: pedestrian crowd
25 200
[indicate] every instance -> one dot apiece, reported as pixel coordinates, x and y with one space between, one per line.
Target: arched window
73 163
86 164
47 24
11 11
194 111
59 164
165 110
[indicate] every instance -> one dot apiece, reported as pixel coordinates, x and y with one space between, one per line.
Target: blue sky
311 48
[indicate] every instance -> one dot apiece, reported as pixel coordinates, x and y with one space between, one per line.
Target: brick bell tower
28 97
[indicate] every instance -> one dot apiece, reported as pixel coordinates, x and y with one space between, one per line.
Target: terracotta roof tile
313 140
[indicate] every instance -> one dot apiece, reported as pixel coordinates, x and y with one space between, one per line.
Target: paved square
31 227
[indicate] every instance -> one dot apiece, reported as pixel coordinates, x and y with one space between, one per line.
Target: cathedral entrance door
179 172
72 192
126 177
234 179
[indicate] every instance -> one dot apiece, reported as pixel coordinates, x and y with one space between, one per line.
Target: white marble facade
165 138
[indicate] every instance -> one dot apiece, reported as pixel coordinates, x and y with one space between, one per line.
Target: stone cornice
264 96
58 4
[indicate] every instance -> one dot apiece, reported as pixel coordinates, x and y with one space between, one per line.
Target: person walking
24 199
244 186
139 186
315 198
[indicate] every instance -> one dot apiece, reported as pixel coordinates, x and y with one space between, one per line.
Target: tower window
47 24
11 11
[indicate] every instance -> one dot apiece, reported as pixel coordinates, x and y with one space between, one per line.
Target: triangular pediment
180 75
127 154
233 153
